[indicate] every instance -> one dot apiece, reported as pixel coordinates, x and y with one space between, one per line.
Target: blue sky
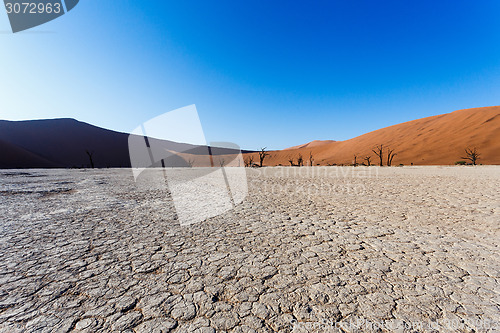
261 72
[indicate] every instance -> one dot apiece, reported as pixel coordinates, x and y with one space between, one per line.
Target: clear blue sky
261 72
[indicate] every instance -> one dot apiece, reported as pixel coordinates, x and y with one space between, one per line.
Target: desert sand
309 249
437 140
312 144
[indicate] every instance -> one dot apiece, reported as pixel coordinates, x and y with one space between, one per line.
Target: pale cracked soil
341 250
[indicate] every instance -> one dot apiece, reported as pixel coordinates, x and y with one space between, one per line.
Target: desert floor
322 249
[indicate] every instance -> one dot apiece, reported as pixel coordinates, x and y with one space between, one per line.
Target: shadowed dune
433 140
62 143
18 157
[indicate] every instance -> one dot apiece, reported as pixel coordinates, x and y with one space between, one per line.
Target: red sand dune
433 140
437 140
312 144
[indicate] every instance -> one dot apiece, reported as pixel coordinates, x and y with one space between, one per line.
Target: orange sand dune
434 140
311 144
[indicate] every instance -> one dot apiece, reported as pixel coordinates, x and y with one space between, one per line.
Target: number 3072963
33 8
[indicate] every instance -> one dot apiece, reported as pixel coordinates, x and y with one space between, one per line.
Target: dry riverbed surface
322 249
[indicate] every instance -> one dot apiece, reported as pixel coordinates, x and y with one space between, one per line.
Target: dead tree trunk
472 154
262 155
249 161
300 160
390 156
90 158
379 151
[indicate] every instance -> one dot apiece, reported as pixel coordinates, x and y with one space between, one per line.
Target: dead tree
311 159
367 159
355 160
379 151
262 155
390 156
290 160
221 162
249 161
90 158
472 154
190 162
300 160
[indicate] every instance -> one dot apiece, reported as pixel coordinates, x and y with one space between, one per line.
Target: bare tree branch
472 154
379 151
90 158
262 155
390 156
300 160
249 161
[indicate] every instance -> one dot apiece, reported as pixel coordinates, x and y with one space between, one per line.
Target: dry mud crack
412 249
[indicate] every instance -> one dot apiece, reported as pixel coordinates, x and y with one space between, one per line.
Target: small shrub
460 163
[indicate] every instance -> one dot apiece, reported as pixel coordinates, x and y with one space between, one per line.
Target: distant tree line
384 154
